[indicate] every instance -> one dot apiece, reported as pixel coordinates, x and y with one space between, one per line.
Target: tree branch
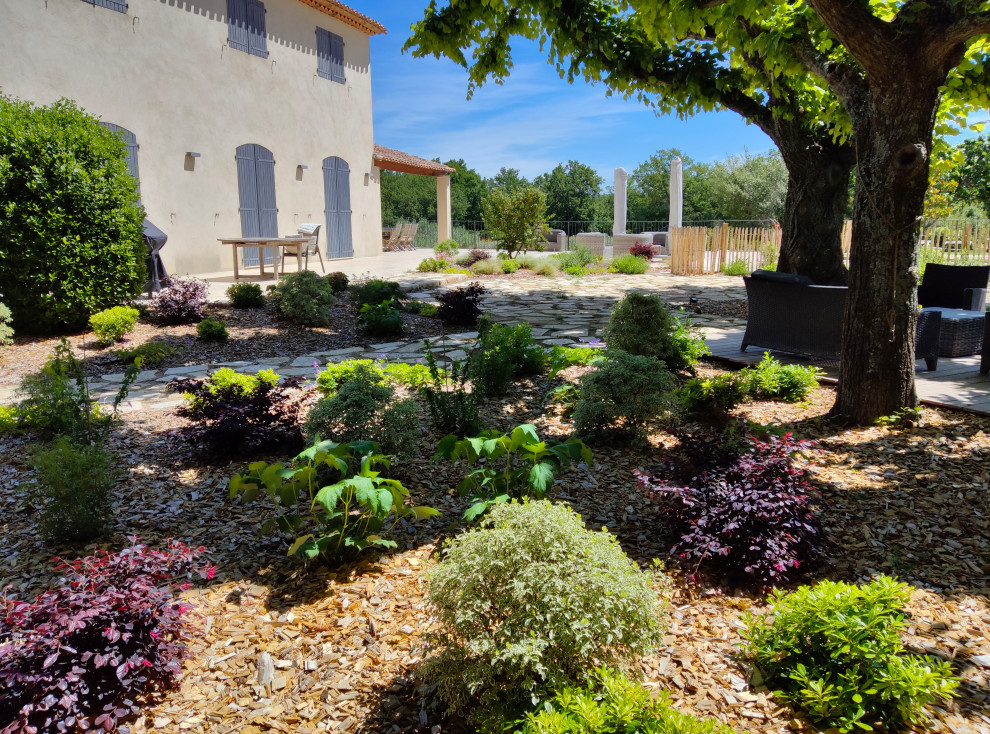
867 38
973 24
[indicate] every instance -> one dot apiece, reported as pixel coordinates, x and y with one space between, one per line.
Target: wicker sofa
788 313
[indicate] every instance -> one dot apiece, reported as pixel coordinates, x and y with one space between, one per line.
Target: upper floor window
246 27
330 55
119 5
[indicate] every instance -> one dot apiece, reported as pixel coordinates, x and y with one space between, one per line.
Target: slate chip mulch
345 642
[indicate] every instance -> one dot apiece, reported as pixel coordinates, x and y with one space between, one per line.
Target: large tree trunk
815 209
894 136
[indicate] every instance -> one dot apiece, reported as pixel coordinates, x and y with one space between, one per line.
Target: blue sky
532 122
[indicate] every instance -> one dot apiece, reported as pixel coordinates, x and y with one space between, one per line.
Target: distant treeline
743 187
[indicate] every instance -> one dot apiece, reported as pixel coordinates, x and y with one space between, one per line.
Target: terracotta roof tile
347 15
395 160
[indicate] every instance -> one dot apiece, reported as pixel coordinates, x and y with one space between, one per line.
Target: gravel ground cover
911 501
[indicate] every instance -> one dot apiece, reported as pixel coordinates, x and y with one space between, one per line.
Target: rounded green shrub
113 324
531 601
305 298
73 487
834 649
212 330
380 320
375 292
622 394
641 324
70 217
246 295
510 266
6 332
447 247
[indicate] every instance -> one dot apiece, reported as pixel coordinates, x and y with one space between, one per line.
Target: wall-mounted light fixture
299 171
193 155
190 161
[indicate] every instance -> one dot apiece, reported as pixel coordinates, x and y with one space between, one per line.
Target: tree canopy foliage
571 191
972 175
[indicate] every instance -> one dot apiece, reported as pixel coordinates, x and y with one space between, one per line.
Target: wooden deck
957 383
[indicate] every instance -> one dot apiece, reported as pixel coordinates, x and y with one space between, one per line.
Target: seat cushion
773 275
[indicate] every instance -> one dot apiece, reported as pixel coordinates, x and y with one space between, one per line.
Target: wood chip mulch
344 643
254 333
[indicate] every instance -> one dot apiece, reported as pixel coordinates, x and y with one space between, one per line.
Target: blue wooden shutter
237 25
247 187
323 44
267 211
257 37
337 193
119 5
336 58
344 208
130 140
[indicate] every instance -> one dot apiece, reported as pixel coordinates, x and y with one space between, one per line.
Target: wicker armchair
954 286
787 313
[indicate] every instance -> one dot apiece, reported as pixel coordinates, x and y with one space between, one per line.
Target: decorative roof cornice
347 15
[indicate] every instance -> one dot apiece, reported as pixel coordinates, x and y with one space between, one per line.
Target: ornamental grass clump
834 650
749 516
629 264
531 601
88 654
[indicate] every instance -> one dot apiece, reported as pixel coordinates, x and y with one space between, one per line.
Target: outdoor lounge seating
554 240
954 286
404 240
788 313
594 241
985 358
309 244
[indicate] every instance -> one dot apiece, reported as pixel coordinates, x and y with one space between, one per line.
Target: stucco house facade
243 117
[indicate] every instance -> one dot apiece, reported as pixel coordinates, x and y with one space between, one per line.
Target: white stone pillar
619 207
445 228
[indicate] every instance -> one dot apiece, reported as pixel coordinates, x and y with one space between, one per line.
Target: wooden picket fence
702 250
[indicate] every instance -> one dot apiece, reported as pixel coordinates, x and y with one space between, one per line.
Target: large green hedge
70 217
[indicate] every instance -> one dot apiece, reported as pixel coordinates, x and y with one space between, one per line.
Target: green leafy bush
563 357
364 408
563 396
531 601
212 330
610 703
10 419
6 332
714 396
434 265
152 353
336 521
508 466
421 308
375 292
338 282
380 320
447 247
452 407
578 256
641 324
622 394
305 298
71 223
246 295
113 324
736 267
575 270
413 376
835 651
509 266
629 264
503 353
515 218
73 487
57 400
771 380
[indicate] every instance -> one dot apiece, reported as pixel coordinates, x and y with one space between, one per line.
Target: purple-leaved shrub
181 302
747 515
83 655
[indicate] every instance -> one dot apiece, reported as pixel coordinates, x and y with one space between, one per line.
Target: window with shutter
246 27
329 55
119 5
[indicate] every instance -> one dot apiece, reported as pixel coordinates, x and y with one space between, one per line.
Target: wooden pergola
389 159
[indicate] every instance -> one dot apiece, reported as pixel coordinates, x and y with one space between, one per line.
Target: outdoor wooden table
275 242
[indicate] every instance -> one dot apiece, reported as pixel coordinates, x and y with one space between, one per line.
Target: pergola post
445 229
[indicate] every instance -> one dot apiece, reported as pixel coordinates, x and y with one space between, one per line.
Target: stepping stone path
564 311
